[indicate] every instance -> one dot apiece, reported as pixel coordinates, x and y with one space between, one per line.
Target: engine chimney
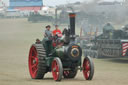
72 25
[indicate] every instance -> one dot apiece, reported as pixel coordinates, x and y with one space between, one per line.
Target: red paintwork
33 62
55 70
124 48
86 68
66 73
72 15
28 8
55 42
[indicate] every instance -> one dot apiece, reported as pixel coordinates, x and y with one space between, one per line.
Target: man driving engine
56 31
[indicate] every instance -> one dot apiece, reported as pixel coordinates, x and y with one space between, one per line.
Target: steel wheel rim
33 62
55 70
86 68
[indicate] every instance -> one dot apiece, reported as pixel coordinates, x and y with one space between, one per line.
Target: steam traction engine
63 60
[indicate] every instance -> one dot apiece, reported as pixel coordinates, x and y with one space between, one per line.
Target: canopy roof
25 3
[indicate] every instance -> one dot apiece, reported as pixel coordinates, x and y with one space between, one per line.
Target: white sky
58 2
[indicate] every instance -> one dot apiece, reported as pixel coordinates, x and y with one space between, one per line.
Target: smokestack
72 24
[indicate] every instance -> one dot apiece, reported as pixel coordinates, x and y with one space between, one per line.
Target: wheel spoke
87 65
54 70
86 75
57 69
36 59
35 53
66 73
33 57
87 68
33 66
35 72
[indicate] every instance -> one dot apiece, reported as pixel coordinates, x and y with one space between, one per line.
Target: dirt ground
16 37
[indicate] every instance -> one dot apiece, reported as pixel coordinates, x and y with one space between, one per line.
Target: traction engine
63 60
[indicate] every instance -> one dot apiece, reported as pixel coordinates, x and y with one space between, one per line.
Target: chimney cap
72 14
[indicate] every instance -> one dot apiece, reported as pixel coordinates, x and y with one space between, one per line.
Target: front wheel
57 69
88 68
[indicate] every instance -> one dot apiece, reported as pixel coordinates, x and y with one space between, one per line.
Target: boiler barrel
73 52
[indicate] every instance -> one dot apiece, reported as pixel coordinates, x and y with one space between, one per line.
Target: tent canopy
25 3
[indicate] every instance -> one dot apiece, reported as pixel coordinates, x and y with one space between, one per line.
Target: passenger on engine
48 39
48 33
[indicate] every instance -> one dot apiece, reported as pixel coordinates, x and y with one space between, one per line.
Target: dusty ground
16 37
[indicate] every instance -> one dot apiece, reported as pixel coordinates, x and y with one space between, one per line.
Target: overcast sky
57 2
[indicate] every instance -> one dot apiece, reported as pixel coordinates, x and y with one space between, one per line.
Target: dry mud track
16 37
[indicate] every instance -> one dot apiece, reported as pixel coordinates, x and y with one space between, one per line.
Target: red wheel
57 69
70 74
35 62
88 68
66 73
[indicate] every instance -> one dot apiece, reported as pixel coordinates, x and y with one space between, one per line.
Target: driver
56 31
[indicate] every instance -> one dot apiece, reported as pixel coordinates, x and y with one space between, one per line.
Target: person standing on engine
48 40
56 31
48 33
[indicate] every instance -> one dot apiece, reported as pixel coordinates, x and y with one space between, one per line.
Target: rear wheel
37 64
57 69
88 68
70 74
